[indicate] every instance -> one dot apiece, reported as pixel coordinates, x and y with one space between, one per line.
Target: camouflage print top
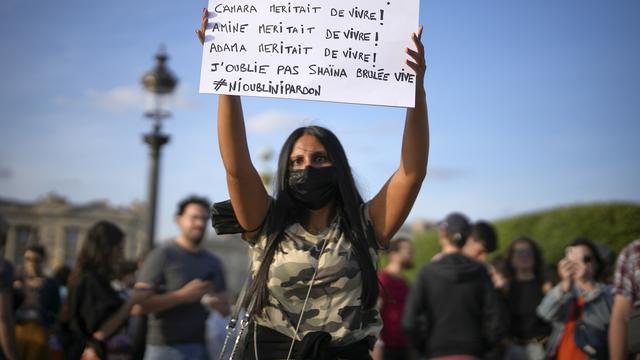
334 303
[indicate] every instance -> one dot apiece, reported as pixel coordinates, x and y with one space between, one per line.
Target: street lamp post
160 83
266 175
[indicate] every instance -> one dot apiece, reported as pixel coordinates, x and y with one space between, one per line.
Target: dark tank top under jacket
524 298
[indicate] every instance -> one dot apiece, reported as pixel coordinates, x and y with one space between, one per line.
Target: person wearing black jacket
95 311
453 308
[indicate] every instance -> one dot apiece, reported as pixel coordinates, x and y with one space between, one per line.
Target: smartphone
570 254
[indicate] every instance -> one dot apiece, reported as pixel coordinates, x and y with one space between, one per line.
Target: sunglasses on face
587 259
522 252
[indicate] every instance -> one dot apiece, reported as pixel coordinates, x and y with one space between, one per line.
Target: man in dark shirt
453 309
7 321
185 279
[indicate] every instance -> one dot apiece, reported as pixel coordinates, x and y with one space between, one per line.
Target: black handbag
594 342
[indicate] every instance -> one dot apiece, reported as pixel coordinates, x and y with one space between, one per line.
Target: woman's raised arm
391 206
248 196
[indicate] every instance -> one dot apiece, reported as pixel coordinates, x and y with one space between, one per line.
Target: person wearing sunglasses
579 307
525 287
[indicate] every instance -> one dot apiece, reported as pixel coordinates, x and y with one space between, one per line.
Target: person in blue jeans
184 278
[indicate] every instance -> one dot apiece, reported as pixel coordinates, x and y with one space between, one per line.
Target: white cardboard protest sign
331 50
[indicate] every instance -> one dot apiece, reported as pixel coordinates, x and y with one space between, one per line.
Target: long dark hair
95 254
595 252
286 211
538 261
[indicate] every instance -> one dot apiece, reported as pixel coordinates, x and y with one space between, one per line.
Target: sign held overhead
331 50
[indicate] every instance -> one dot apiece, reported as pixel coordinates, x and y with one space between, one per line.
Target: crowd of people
107 307
462 306
316 291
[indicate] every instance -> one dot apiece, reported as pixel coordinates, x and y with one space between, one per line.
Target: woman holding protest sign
314 244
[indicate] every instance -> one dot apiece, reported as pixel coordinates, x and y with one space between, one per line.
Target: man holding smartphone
184 277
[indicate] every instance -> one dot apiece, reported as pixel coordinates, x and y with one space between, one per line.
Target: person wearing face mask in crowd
579 307
314 244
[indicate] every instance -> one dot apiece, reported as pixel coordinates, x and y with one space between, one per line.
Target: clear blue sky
532 104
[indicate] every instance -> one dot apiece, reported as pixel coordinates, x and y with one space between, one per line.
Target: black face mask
313 187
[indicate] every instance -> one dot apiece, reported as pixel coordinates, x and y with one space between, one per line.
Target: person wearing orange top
579 306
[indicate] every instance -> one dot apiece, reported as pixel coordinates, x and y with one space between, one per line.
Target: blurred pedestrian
140 323
394 291
498 271
453 310
482 241
499 274
96 310
579 307
181 275
608 257
525 289
7 321
627 298
120 344
39 308
61 277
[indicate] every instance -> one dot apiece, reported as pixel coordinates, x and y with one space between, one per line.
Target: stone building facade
61 226
234 254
